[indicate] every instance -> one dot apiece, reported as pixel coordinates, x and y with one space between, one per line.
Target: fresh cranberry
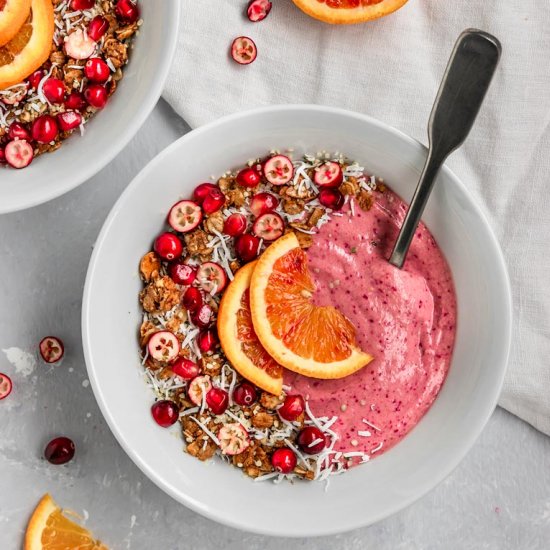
82 4
203 316
292 407
165 413
247 247
97 27
307 436
168 246
18 131
97 70
213 201
54 90
69 120
182 273
192 299
244 394
75 101
217 400
331 198
202 190
283 460
185 368
35 78
235 225
59 450
2 155
262 203
127 11
44 129
248 177
96 95
207 340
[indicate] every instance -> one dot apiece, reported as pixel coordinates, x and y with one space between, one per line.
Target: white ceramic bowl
367 493
80 158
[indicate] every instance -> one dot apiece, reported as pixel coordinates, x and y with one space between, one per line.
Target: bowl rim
324 530
89 170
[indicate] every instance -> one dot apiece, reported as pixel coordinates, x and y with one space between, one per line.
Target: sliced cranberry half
18 153
233 439
247 247
244 394
235 225
51 349
329 174
79 45
269 227
202 317
165 413
69 120
292 407
284 460
331 198
217 400
248 177
5 385
200 192
163 346
59 451
198 388
168 246
258 10
192 299
185 368
212 277
262 203
184 216
311 440
243 50
278 170
182 273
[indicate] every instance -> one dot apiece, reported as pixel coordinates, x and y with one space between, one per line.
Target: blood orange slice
13 13
316 341
341 12
238 339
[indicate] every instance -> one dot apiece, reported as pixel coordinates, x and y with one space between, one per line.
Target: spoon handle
464 85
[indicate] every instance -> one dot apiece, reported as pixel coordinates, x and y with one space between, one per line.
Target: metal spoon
464 85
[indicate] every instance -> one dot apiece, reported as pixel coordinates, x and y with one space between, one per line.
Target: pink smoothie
405 318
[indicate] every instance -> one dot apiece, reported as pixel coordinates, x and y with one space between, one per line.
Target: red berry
69 120
127 11
331 198
199 387
35 78
165 413
213 202
97 70
202 190
192 299
203 316
75 101
278 170
184 216
82 4
258 10
247 247
283 460
235 225
163 346
54 90
244 394
44 129
217 400
98 27
311 440
185 368
168 246
18 131
243 50
2 155
182 273
208 340
18 153
51 349
59 451
5 385
292 407
248 177
211 277
96 95
262 203
269 226
329 174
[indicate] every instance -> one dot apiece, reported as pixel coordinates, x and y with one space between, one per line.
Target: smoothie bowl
273 336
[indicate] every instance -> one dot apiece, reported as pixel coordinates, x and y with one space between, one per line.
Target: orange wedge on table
238 339
341 12
316 341
30 47
49 529
13 13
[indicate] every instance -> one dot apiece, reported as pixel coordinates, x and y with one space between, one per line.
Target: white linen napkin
390 69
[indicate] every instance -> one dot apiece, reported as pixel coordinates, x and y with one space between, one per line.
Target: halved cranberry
79 45
192 299
97 70
331 198
82 4
248 177
51 349
203 316
5 385
244 394
258 10
269 226
247 247
59 451
168 246
96 96
311 440
198 387
233 439
182 273
15 96
185 368
262 203
202 190
54 90
329 174
163 346
97 27
217 400
35 78
292 407
244 50
284 460
278 170
213 202
44 129
18 153
235 225
18 131
184 216
75 101
165 413
127 11
69 120
212 277
208 340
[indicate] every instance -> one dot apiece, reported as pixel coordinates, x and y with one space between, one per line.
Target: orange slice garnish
49 529
30 47
238 339
316 341
341 12
13 13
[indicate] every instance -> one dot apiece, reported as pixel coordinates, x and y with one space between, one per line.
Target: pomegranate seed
97 70
82 4
54 90
5 385
44 129
235 225
243 50
35 78
192 299
217 400
233 439
247 247
278 170
168 246
181 273
127 11
329 174
198 387
96 95
292 407
203 316
79 45
69 120
184 216
284 460
244 394
269 226
308 436
18 153
208 340
59 451
213 202
165 413
258 10
331 198
163 346
51 349
202 190
97 28
248 178
212 277
186 369
75 101
262 203
18 131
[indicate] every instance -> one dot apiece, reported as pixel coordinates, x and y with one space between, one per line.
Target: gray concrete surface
498 498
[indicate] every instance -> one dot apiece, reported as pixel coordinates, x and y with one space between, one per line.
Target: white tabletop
498 498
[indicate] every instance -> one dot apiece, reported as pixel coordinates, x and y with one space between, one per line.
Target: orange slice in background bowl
238 339
316 341
30 47
342 12
13 13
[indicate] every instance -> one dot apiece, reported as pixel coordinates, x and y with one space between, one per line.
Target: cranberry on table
192 299
258 10
69 120
96 96
165 413
54 90
235 225
284 460
292 407
59 451
127 11
247 247
97 27
5 385
97 70
168 246
244 394
51 349
202 190
185 368
182 273
18 131
244 50
44 129
248 177
308 436
217 400
213 201
331 198
208 340
75 101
